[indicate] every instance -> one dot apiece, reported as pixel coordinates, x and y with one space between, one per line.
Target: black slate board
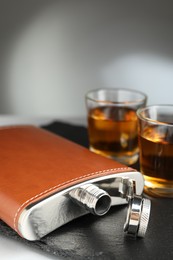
102 238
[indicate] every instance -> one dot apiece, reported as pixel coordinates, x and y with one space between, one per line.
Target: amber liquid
156 160
113 133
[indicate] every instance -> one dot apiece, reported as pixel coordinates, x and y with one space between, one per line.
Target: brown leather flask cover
36 164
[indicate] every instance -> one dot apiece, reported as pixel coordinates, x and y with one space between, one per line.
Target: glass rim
142 99
150 120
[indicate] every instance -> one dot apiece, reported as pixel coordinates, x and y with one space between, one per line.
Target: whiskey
156 157
113 132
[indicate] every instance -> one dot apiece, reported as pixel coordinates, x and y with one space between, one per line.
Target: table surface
91 237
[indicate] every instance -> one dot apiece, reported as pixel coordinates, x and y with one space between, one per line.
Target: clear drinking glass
112 122
156 149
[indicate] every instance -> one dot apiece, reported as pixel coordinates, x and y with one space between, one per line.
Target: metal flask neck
92 198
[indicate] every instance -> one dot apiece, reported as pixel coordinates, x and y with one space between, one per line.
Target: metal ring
137 216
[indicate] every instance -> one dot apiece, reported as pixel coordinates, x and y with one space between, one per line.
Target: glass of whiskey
156 149
112 122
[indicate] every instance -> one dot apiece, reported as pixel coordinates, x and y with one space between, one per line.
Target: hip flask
47 181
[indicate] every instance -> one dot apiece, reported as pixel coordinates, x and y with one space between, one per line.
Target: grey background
52 52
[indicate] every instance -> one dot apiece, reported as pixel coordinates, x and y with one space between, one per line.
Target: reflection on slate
91 237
